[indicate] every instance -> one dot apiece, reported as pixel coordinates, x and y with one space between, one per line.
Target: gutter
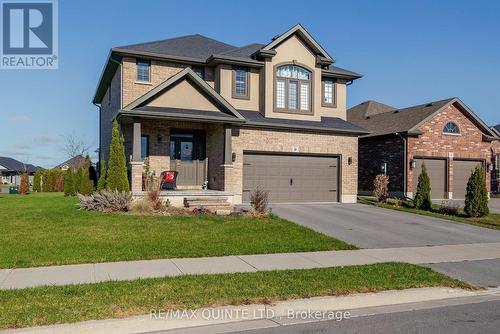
301 127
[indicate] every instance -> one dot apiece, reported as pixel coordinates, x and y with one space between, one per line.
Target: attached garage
462 170
292 177
436 169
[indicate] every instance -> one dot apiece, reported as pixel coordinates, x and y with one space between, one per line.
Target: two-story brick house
444 135
234 118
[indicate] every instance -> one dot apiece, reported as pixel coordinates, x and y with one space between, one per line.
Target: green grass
491 221
48 229
50 305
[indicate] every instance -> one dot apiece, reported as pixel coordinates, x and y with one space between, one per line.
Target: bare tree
73 146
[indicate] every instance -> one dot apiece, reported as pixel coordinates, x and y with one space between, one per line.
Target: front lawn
491 221
48 229
50 305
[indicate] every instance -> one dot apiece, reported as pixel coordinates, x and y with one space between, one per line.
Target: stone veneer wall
249 139
433 143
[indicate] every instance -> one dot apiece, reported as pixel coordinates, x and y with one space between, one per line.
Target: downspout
98 164
405 157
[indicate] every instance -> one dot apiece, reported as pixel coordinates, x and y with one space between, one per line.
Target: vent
367 117
429 104
276 37
396 111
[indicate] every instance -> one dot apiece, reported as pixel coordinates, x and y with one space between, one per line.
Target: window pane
144 147
241 82
292 95
142 70
304 96
328 93
451 127
280 94
172 149
295 72
199 71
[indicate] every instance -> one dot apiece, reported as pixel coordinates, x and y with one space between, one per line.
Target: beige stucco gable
183 95
294 51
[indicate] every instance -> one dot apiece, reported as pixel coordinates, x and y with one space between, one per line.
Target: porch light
159 138
413 164
489 166
233 157
349 161
383 168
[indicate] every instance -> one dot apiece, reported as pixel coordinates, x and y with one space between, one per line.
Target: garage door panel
436 169
314 178
462 170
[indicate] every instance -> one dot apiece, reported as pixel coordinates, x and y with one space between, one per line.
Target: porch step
213 203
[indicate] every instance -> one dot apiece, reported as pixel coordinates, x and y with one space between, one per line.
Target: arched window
451 127
293 89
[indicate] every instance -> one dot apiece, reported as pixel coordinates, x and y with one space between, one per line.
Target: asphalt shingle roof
380 119
14 165
72 163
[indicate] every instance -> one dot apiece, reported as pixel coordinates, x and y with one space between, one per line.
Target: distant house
73 163
495 173
11 169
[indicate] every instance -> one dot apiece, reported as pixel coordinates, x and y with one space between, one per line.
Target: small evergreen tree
422 198
78 179
476 199
101 184
37 182
48 180
69 186
117 178
87 185
58 181
24 187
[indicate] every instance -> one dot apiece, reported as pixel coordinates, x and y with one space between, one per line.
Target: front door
187 157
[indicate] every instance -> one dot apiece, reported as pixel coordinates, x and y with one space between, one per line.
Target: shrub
476 199
450 209
141 206
69 183
101 184
78 178
37 182
48 180
117 169
106 201
24 187
154 194
422 198
59 181
380 187
259 199
201 211
86 183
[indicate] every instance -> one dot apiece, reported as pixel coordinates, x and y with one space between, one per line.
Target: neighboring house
73 163
495 173
234 118
11 170
445 135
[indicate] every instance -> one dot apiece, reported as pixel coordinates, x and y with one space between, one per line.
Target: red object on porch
168 179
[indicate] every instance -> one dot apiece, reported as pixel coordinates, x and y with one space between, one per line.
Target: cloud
19 119
47 139
22 146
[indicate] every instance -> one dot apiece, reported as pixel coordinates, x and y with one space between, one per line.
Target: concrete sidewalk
129 270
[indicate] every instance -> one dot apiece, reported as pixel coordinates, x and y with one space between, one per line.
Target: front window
240 86
293 88
144 146
452 128
143 67
328 94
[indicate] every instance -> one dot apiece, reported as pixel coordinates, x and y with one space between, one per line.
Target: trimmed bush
476 199
101 184
37 182
59 181
24 187
69 183
77 179
381 187
117 169
422 198
48 181
259 199
86 183
105 201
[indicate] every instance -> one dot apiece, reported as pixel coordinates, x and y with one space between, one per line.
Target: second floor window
452 128
143 70
240 83
328 93
293 88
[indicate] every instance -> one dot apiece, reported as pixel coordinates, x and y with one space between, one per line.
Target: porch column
228 146
136 142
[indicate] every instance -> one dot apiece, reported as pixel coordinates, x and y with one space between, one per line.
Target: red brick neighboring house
495 150
444 135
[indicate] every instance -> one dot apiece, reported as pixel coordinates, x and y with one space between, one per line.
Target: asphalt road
481 318
372 227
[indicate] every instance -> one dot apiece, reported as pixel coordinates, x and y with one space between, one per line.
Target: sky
410 52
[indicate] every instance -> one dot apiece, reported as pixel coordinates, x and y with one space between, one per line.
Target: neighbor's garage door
462 170
436 168
291 178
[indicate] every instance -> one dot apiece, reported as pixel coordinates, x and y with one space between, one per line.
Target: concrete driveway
371 227
493 204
